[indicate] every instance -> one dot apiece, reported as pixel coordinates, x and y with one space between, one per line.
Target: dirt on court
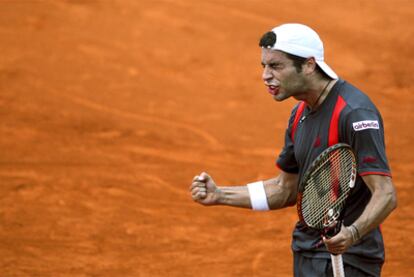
109 108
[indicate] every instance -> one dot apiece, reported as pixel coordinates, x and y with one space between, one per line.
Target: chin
280 97
276 98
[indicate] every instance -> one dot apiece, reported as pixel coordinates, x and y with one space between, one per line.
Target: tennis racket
323 193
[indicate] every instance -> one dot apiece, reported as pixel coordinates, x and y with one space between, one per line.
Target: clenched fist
204 190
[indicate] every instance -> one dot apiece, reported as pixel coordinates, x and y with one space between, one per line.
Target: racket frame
332 217
309 171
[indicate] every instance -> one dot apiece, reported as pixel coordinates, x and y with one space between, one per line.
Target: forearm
382 203
280 193
236 196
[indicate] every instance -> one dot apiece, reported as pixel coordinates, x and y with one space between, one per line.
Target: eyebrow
271 63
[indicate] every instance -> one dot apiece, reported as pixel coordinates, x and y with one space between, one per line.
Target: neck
318 95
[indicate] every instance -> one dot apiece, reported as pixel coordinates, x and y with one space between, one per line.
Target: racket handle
337 265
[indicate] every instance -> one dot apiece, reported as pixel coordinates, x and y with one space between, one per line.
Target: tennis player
329 110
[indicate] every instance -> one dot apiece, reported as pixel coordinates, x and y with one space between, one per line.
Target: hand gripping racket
323 192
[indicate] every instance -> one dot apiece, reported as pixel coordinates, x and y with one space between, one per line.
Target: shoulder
359 112
359 108
354 98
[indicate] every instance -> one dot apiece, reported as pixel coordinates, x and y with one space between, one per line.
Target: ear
309 66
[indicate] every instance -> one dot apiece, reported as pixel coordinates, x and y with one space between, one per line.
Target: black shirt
347 115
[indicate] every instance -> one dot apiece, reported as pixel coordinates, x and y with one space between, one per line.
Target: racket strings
327 187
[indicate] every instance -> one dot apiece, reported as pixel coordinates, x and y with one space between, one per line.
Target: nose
266 75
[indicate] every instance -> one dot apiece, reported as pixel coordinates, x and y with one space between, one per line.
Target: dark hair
269 40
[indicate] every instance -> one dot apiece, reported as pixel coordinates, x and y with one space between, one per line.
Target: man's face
280 75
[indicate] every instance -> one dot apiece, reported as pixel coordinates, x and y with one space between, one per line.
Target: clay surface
109 108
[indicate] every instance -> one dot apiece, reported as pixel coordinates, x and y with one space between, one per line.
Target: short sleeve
364 131
286 160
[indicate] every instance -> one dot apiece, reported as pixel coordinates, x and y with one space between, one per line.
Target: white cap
302 41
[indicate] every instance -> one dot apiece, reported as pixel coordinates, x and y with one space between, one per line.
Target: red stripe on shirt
375 173
333 127
298 115
278 166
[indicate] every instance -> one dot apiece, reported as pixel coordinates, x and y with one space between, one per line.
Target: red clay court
109 109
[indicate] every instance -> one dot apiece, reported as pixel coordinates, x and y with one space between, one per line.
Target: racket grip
337 265
334 229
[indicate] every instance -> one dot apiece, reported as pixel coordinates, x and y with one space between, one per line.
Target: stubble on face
280 74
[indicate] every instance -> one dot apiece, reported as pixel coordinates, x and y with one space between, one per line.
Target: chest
313 135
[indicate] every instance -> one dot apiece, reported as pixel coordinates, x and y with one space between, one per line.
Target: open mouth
273 90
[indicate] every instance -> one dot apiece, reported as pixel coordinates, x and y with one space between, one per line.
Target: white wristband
258 197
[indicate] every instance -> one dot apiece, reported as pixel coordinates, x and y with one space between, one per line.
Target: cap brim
327 69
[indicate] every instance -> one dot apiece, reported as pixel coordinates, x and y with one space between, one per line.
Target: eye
276 66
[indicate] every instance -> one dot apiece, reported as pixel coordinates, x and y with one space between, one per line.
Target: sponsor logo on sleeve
365 124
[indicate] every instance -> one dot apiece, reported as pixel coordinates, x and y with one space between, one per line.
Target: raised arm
280 192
